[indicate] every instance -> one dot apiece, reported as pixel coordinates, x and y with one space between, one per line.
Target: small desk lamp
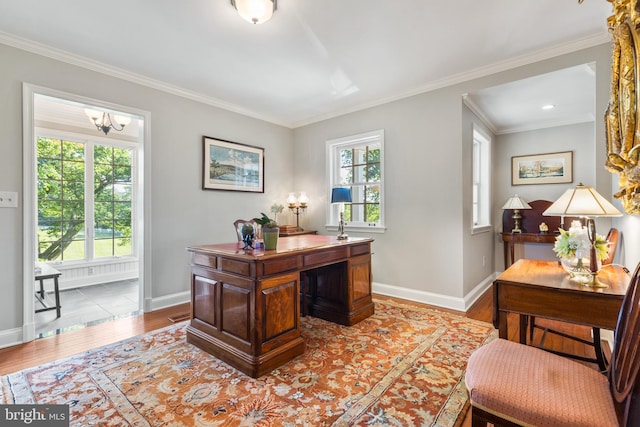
341 195
516 203
585 202
297 206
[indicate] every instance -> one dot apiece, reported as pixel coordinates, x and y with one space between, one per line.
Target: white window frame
89 143
333 147
480 181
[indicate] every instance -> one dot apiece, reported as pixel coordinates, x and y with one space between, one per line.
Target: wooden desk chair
511 384
612 238
237 224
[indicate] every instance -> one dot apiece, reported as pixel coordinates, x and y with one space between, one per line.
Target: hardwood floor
44 350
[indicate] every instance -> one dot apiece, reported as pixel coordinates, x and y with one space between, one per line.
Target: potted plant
270 231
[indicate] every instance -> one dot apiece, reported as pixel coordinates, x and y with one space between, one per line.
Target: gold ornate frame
622 117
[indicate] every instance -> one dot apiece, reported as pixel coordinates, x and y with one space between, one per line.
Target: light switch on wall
8 199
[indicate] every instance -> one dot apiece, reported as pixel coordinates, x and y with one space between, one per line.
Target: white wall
181 213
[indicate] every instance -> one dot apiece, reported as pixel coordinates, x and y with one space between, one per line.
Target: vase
579 268
270 238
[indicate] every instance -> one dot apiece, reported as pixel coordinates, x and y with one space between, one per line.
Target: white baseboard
11 337
439 300
152 304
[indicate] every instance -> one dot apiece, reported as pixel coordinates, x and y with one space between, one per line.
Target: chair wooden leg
480 418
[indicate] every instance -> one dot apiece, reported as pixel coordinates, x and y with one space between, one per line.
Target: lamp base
590 281
342 236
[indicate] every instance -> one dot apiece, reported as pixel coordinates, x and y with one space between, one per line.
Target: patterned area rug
403 366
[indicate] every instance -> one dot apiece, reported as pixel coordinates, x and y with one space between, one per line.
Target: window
481 191
357 162
85 198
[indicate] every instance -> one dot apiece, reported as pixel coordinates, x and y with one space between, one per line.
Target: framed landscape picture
549 168
232 166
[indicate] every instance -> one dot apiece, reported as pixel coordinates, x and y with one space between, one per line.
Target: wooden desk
510 239
44 272
245 305
543 289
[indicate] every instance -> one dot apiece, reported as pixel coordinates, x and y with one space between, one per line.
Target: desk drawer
324 257
204 260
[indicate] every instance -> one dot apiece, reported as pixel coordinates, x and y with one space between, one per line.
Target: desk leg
505 250
499 317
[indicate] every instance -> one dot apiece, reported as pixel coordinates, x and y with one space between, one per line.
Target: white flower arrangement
575 243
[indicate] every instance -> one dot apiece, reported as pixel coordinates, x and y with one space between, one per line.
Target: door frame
29 200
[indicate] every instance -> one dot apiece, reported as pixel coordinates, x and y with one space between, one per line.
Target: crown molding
80 61
110 70
497 67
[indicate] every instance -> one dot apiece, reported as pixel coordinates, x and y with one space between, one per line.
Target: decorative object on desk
544 228
158 379
586 202
270 232
232 166
549 168
255 11
573 247
297 205
341 195
515 203
247 236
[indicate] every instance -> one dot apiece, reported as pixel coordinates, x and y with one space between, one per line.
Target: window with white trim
357 162
481 177
85 198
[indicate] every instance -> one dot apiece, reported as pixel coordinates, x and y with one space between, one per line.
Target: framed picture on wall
548 168
232 166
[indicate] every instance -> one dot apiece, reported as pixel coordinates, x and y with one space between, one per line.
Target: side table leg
56 290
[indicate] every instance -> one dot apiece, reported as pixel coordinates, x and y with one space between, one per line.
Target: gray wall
579 138
427 252
181 213
428 181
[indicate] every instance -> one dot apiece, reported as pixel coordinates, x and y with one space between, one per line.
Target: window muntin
357 163
66 205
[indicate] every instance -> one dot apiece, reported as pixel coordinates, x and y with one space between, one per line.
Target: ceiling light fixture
103 120
255 11
548 107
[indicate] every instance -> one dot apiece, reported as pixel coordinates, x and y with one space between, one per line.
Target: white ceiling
318 58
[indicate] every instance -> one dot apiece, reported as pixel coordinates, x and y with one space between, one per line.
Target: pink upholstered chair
511 384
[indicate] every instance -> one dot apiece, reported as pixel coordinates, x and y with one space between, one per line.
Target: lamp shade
582 201
516 202
341 195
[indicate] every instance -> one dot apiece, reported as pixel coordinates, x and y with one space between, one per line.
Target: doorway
83 208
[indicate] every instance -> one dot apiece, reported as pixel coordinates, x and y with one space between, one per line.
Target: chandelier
255 11
104 122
